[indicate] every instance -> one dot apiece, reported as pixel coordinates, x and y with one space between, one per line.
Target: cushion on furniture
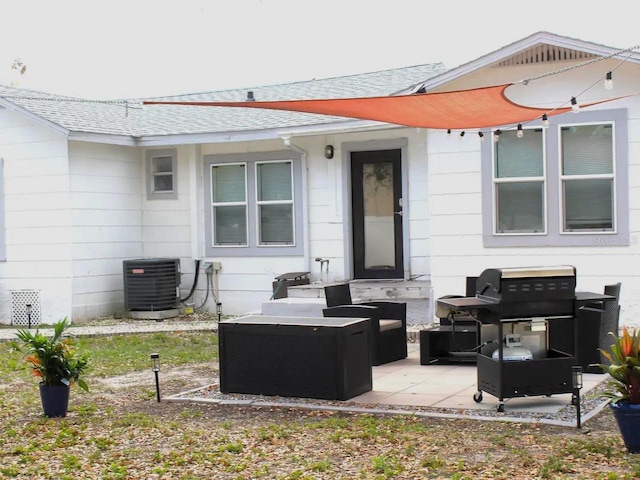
386 325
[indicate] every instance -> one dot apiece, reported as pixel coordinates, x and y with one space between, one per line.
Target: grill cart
512 300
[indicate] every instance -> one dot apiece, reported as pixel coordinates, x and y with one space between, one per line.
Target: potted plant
624 394
56 362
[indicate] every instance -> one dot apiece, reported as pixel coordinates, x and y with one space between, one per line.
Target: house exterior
88 185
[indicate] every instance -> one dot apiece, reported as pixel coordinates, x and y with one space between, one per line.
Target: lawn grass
123 433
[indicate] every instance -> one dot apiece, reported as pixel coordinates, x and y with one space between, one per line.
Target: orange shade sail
462 109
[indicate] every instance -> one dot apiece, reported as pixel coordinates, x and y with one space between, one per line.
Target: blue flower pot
628 418
55 400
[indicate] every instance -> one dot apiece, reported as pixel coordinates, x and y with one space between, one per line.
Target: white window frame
260 203
152 193
497 181
555 236
607 176
253 248
214 204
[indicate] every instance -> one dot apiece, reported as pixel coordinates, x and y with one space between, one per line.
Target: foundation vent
20 301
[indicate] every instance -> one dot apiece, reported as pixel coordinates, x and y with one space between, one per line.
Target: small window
162 174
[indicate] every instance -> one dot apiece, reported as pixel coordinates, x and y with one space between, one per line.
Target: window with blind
229 204
274 198
519 183
561 185
587 178
251 204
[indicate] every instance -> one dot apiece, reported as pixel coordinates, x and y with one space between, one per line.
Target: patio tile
427 388
415 400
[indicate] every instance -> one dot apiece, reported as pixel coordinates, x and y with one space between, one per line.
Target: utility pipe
305 201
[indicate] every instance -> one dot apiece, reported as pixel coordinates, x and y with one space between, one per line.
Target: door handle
399 212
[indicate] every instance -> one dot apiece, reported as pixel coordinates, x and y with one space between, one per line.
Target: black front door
376 186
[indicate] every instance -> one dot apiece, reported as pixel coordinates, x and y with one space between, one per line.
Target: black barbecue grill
529 292
511 296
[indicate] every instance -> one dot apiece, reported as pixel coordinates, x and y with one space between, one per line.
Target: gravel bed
591 403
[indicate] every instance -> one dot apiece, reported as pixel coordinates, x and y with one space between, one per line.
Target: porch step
366 290
310 298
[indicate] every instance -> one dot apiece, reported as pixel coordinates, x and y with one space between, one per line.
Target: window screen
275 203
229 193
587 178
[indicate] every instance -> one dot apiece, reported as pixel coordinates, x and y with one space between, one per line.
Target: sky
100 49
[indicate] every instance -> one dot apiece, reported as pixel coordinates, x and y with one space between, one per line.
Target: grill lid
531 272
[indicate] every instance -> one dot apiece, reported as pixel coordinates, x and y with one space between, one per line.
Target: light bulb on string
545 120
462 134
481 135
608 81
575 108
520 132
448 132
496 135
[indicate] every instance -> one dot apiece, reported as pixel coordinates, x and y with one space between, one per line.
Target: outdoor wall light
328 152
576 380
155 366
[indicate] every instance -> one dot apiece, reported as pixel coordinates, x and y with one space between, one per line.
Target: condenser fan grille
151 284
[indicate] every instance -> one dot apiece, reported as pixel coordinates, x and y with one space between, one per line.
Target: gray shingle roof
113 118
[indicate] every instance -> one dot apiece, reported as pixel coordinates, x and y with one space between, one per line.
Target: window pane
588 204
519 157
162 164
228 183
163 183
230 225
274 181
520 207
587 150
276 224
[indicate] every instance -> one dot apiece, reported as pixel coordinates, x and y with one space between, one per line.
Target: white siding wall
37 216
455 199
106 221
245 283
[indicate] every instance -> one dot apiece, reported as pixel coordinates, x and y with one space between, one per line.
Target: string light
462 134
608 81
575 108
481 135
545 120
496 135
520 132
448 132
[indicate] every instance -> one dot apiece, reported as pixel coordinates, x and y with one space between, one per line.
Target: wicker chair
610 319
388 322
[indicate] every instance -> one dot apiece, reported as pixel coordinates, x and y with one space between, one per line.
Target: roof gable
539 48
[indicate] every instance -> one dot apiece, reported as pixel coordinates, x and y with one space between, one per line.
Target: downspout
305 200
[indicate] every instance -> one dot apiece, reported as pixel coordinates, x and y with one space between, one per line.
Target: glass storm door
377 214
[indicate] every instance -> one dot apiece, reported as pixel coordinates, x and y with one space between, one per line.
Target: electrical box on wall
210 267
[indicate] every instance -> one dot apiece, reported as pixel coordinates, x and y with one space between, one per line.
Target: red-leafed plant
624 367
53 360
